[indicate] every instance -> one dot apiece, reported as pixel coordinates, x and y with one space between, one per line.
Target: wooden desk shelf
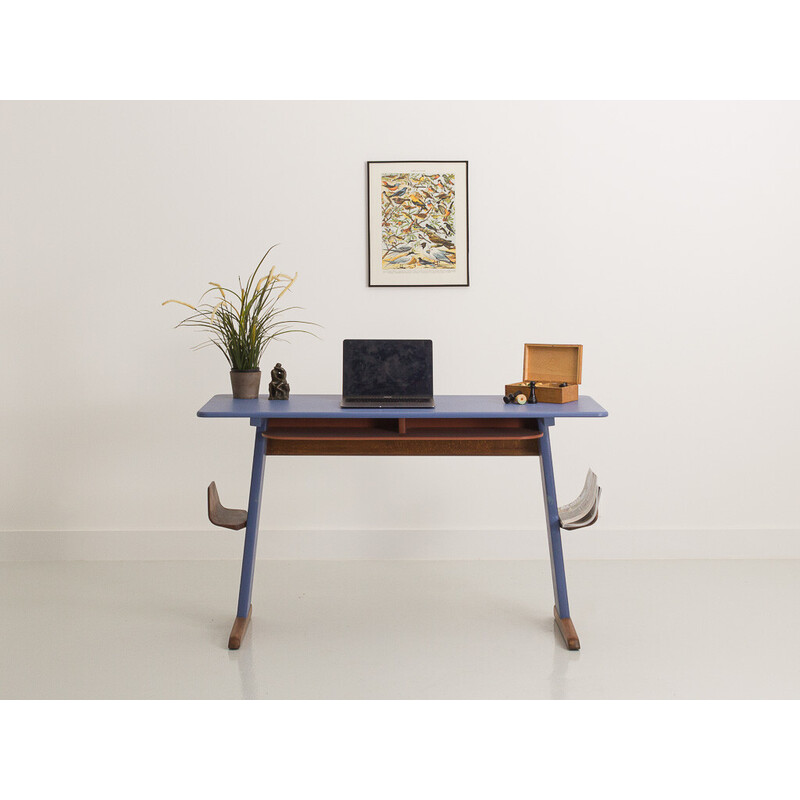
402 437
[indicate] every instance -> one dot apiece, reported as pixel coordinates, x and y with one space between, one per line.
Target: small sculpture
278 388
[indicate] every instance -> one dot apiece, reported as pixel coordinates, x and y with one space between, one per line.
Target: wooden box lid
558 363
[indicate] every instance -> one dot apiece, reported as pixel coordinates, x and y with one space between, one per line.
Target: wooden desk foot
567 630
239 629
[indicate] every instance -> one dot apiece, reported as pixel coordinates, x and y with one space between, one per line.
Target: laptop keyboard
382 398
373 402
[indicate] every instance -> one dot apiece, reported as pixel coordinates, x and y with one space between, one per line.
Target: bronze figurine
278 388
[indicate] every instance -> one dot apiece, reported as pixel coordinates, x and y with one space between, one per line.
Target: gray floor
404 629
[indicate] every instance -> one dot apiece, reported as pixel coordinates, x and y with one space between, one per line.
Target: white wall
662 236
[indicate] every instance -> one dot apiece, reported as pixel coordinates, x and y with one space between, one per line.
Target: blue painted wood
551 519
447 406
326 406
253 517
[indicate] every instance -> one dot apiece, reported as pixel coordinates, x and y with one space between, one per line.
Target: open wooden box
549 365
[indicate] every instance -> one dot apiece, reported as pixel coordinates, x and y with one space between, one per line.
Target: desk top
451 406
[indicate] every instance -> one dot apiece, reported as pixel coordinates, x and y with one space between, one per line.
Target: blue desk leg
561 609
245 608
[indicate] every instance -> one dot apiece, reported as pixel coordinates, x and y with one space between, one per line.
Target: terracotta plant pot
245 383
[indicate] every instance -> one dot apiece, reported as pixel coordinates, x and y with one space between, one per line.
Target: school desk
459 425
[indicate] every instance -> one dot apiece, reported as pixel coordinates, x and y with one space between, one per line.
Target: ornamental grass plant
242 323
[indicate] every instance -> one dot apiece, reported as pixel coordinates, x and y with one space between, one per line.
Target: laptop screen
387 368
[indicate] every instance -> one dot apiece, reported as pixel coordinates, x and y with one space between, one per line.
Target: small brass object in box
554 369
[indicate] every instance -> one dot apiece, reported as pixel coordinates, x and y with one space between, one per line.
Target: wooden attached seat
233 518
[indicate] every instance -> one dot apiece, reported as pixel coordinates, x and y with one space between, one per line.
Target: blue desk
479 425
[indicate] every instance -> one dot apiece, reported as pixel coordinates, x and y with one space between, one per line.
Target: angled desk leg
561 610
245 608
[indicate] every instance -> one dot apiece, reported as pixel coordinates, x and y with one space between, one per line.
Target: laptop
387 373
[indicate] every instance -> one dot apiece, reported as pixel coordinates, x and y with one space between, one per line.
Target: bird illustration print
418 221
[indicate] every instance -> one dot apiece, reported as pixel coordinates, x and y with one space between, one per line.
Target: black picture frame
418 223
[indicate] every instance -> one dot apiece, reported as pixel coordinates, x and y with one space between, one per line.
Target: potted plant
242 323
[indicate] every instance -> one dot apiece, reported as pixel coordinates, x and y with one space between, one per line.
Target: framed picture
418 214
